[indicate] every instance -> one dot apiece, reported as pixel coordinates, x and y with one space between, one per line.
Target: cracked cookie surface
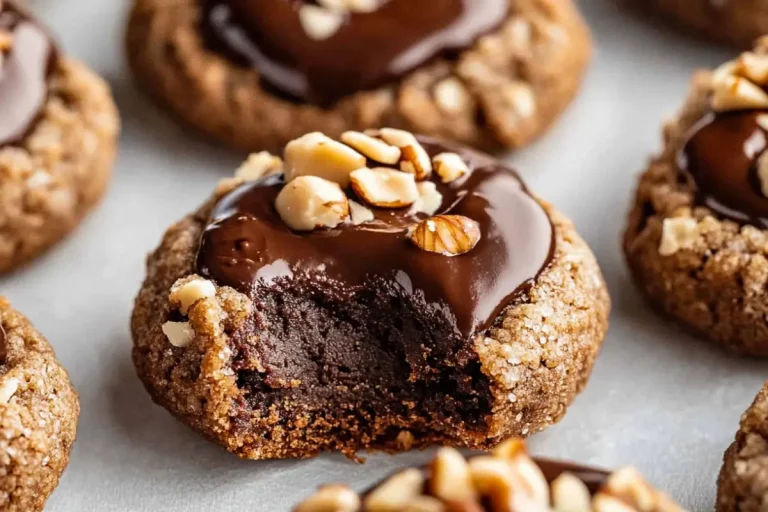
504 91
39 409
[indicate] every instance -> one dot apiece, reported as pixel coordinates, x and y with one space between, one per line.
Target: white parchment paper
658 399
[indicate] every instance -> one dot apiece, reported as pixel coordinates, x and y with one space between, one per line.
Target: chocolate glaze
369 50
247 245
593 478
24 70
720 157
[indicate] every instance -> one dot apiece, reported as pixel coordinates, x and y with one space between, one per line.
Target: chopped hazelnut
449 235
316 154
414 158
190 292
396 492
259 165
320 23
385 188
359 214
373 148
331 498
677 233
429 200
309 202
7 389
179 334
570 494
451 480
452 96
737 93
449 166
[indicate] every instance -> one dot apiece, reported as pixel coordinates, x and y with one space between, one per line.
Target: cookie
697 239
38 415
58 131
736 22
319 304
507 479
742 485
255 75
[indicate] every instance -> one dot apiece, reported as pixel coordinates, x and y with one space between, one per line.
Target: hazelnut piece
449 166
316 154
449 235
414 158
373 148
384 188
309 202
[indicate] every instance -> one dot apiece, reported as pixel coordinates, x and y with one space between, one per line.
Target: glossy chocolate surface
721 158
24 69
368 50
593 478
247 245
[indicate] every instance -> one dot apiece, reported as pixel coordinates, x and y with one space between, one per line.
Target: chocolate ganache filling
25 63
247 246
368 50
721 157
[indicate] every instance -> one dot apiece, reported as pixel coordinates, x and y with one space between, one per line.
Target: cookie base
50 180
513 84
533 362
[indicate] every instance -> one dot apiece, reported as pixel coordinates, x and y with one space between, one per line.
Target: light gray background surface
658 398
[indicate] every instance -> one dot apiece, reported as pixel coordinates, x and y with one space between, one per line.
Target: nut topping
569 494
396 492
507 481
429 200
188 293
259 165
316 154
351 5
359 213
373 148
332 498
449 166
414 159
309 202
179 334
677 233
738 84
385 188
451 480
449 235
319 23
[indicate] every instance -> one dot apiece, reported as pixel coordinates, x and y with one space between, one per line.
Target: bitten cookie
508 479
737 22
742 485
383 292
697 239
256 74
38 415
58 130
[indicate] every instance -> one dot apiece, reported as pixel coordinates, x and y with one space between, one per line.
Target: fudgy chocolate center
24 68
360 327
721 157
368 50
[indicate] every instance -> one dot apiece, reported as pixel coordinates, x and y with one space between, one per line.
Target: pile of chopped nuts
321 172
508 480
